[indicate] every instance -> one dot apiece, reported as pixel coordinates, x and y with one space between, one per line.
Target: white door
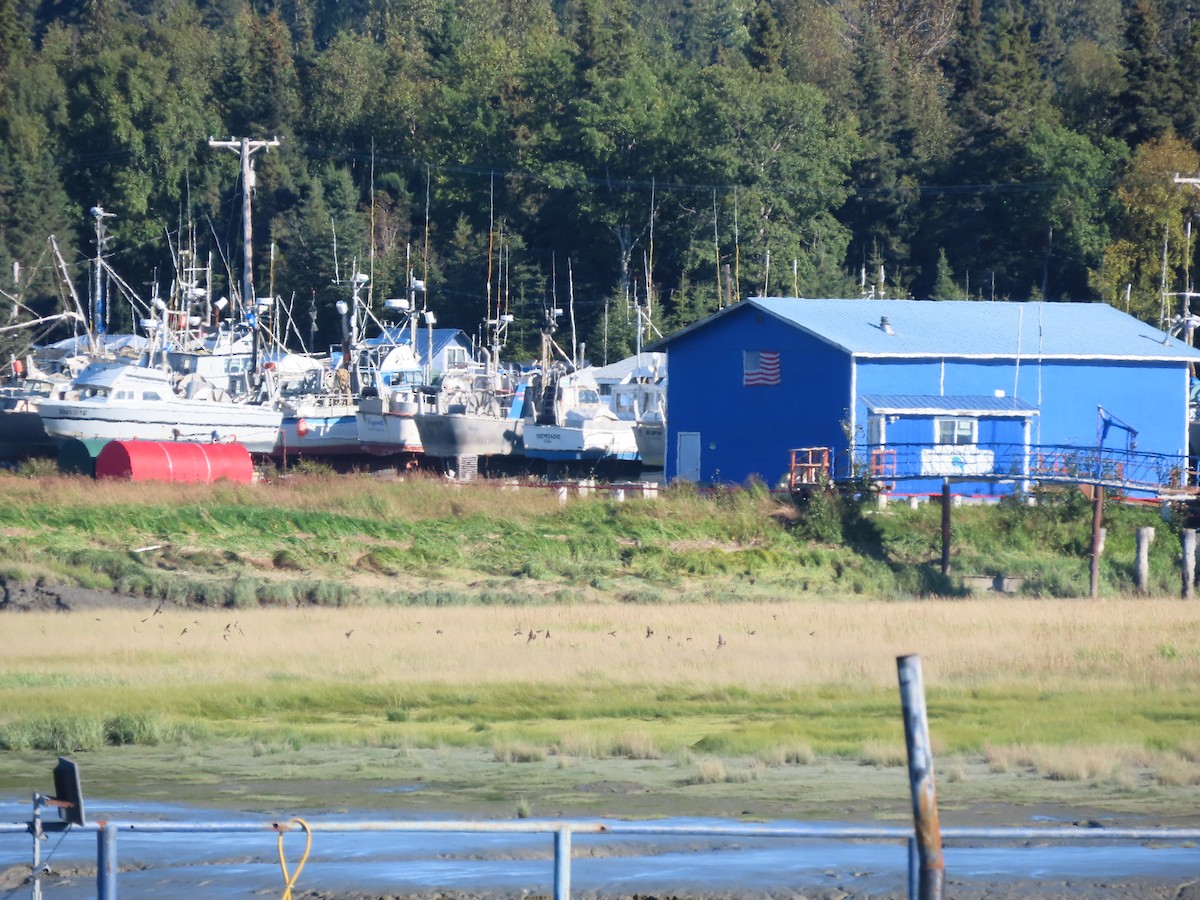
688 456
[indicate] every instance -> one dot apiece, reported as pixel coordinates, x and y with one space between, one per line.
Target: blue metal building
952 381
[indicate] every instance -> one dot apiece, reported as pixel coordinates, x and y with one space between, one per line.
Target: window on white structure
956 431
456 357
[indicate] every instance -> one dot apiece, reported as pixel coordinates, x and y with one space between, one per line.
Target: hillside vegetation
528 154
305 540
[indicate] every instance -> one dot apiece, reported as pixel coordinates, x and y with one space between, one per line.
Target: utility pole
246 148
1188 324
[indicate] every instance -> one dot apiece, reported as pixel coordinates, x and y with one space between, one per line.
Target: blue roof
971 329
403 335
934 404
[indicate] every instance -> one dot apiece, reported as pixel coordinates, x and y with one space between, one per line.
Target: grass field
309 638
1099 695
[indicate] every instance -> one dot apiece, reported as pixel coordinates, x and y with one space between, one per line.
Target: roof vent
884 326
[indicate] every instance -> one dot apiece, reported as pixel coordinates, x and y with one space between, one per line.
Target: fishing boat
569 421
476 410
473 412
386 420
121 401
387 423
30 380
21 431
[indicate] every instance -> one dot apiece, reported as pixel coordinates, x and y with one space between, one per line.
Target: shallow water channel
209 864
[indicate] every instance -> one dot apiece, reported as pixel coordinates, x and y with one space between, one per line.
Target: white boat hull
386 428
603 440
651 440
254 427
330 435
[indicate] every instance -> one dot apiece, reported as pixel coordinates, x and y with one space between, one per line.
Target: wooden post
1097 537
946 527
1145 537
920 777
1189 562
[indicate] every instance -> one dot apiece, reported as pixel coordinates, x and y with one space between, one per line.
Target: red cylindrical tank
175 461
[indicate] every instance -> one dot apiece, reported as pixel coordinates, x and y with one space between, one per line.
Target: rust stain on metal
929 832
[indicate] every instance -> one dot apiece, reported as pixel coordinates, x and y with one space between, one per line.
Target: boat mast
62 264
98 312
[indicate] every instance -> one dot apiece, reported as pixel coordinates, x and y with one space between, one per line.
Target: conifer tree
1152 94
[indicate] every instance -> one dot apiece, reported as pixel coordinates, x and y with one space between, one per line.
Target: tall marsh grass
777 682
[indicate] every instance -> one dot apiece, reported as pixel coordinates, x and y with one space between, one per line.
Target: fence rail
107 836
1116 469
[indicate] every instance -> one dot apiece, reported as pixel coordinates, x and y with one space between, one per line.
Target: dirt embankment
39 597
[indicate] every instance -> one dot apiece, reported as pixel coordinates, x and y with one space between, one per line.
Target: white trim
853 407
959 412
1070 357
937 431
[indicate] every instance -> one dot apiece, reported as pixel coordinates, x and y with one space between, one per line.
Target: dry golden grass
416 496
984 645
1119 763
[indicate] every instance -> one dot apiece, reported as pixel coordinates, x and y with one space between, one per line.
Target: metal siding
1150 398
749 431
1066 391
753 429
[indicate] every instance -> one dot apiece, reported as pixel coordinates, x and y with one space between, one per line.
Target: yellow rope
289 881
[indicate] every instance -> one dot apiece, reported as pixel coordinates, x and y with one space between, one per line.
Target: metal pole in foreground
914 870
106 862
946 527
1097 539
562 864
920 777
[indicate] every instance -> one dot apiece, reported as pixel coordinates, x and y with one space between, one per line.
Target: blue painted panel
747 431
1151 397
999 433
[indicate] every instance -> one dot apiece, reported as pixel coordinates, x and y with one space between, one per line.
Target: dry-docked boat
122 401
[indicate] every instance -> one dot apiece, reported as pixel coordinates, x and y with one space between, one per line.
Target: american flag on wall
760 367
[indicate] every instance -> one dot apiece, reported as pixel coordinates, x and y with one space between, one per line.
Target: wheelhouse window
956 431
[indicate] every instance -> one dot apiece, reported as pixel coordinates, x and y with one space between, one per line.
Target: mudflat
1042 713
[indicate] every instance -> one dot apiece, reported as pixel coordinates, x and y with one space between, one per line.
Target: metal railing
107 837
1115 468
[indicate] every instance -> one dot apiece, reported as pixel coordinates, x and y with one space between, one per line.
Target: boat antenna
337 275
737 255
717 248
571 306
371 263
491 235
425 250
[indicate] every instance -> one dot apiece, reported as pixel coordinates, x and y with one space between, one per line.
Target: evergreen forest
637 164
